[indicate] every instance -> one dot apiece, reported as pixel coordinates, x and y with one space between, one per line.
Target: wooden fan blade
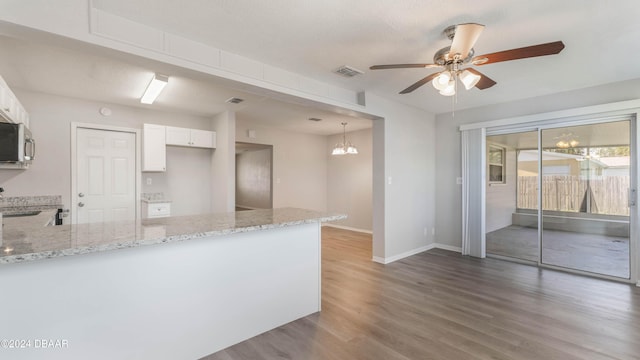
465 37
485 82
521 53
402 66
419 83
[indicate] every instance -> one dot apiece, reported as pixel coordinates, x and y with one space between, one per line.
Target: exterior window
496 165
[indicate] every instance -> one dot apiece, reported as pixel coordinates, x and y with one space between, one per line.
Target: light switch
149 181
458 181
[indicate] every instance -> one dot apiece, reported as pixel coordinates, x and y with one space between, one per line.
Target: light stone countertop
154 198
158 201
27 239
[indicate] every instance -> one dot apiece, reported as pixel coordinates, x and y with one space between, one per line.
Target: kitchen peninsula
207 282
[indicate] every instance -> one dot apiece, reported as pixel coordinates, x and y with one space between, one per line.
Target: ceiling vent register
234 100
348 71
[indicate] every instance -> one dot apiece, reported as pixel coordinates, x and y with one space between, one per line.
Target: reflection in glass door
511 201
585 186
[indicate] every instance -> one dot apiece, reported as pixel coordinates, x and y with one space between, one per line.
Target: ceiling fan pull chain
453 106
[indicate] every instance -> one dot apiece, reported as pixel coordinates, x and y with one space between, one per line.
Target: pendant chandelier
566 141
346 147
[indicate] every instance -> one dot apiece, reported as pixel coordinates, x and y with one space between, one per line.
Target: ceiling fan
455 58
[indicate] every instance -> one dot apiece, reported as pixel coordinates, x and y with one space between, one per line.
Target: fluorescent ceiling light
155 87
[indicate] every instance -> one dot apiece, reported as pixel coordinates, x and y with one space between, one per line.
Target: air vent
348 71
314 119
234 100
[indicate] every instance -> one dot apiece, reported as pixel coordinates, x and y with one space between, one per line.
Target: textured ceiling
84 73
315 37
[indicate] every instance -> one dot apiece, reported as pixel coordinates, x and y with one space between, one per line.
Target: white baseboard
391 259
348 228
448 247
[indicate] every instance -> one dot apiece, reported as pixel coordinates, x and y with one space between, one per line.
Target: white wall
299 164
404 143
223 163
349 181
448 167
501 198
50 173
404 177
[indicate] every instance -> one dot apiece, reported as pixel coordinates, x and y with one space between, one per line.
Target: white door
106 180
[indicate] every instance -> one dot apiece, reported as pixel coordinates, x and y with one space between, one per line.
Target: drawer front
160 209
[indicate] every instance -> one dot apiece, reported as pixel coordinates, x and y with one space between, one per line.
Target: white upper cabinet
190 137
10 107
154 151
203 138
178 136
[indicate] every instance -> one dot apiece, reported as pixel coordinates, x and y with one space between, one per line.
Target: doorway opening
254 176
579 177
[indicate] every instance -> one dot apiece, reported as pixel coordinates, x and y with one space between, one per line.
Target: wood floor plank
441 305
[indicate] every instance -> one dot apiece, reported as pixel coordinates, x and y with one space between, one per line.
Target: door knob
81 195
80 204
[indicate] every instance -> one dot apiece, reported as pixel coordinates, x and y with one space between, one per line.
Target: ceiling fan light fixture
436 84
441 81
469 79
450 89
444 78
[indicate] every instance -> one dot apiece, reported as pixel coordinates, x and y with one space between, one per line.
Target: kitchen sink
22 213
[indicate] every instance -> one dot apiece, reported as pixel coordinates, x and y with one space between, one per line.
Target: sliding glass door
584 194
512 196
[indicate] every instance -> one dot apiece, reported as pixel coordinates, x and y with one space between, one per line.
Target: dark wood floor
441 305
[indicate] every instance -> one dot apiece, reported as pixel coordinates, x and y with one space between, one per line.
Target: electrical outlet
149 181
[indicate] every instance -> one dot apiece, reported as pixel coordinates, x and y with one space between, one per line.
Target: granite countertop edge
49 254
155 201
12 210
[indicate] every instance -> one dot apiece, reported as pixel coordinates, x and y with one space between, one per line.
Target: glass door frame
539 126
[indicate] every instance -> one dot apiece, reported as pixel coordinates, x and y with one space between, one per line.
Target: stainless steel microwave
16 144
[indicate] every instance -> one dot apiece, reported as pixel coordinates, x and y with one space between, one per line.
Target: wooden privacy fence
609 194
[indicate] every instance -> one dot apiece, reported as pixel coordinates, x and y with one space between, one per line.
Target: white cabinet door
178 136
190 137
154 152
156 210
10 107
203 138
8 103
